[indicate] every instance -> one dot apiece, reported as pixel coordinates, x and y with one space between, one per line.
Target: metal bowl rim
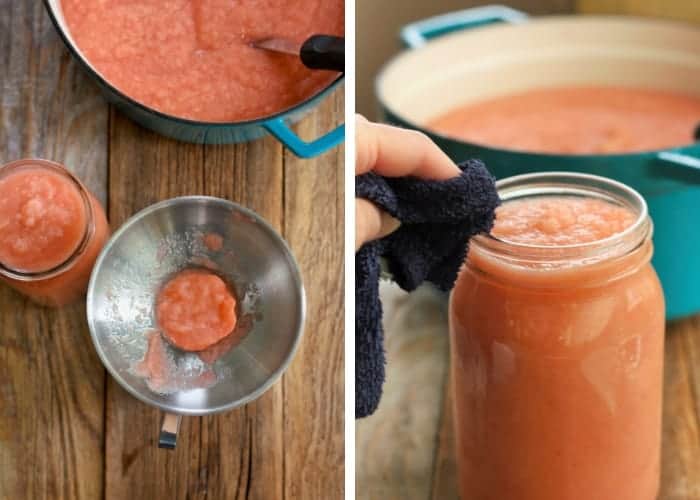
271 380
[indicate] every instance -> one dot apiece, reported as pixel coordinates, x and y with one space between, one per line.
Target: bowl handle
299 147
419 33
168 431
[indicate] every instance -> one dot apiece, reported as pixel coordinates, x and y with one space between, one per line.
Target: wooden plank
51 381
445 467
671 9
256 181
235 455
314 386
396 447
680 476
48 106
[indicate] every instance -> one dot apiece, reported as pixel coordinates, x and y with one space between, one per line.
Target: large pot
479 53
277 125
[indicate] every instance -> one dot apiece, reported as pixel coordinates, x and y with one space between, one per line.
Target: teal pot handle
681 168
681 160
417 34
299 147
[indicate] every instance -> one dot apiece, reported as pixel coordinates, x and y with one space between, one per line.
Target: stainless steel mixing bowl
166 238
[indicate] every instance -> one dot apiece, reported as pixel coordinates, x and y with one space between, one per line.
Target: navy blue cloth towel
437 220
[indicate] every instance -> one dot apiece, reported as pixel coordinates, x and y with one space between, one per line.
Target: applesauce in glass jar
557 338
51 231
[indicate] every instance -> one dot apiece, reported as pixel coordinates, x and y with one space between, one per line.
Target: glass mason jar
557 359
49 274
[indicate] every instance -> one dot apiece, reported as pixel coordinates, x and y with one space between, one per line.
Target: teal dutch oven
479 53
277 125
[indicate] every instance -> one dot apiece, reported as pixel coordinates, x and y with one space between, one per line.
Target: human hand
392 152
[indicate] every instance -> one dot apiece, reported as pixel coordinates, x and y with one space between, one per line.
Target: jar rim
61 268
574 184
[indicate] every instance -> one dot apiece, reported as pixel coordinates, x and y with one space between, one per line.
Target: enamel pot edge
277 125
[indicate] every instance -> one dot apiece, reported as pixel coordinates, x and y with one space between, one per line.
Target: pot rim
396 60
76 53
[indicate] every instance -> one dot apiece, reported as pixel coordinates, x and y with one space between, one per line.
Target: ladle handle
168 431
324 52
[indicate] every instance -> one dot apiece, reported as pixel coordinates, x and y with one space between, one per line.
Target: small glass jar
557 359
59 280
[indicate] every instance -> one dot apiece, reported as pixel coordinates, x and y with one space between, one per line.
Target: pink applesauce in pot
51 231
557 332
577 120
192 58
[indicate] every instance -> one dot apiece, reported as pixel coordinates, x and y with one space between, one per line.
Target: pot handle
679 160
168 431
299 147
419 33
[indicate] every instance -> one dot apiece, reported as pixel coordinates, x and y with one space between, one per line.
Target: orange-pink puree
577 120
196 310
162 373
156 367
213 241
42 220
557 370
560 221
192 58
45 216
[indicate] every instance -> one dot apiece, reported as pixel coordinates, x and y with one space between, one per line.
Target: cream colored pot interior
574 50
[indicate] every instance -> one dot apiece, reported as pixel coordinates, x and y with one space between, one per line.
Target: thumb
371 223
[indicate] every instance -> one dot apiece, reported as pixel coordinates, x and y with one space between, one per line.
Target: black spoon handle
324 52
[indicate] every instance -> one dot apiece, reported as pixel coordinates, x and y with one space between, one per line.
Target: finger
371 222
396 152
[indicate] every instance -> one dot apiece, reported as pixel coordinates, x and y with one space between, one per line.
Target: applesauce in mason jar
557 337
51 231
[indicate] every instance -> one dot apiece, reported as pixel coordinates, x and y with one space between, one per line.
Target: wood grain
445 465
314 387
51 382
396 447
680 476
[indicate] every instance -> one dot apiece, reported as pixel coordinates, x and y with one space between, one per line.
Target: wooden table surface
67 430
405 450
